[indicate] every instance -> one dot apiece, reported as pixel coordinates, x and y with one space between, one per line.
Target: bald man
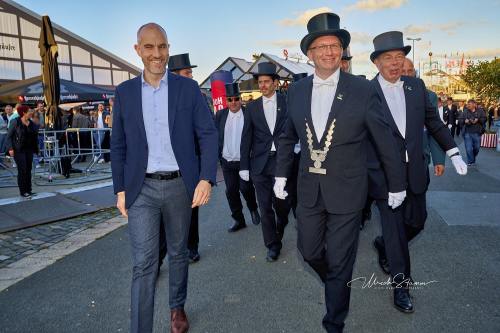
157 175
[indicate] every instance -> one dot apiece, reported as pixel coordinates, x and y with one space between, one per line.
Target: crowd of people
23 129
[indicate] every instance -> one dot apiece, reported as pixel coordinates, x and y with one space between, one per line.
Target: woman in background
22 143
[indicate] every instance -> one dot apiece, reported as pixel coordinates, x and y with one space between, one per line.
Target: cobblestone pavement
21 243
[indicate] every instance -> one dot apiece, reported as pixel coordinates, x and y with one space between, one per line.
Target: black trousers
235 185
24 161
328 243
273 226
193 237
394 235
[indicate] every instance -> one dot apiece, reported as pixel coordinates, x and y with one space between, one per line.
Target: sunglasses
233 99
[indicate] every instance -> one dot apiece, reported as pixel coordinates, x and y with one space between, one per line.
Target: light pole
413 46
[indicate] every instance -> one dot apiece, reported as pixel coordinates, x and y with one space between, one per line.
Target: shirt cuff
452 151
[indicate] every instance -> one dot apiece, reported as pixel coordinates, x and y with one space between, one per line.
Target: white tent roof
238 68
286 68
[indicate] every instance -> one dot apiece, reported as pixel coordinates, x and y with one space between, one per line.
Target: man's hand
438 170
279 188
11 152
245 175
459 165
201 194
120 203
396 199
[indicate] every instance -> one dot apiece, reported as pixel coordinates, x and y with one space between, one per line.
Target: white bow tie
397 84
318 82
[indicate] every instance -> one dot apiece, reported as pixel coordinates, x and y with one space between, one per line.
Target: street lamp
413 46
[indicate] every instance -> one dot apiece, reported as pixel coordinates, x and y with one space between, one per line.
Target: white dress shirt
395 97
100 123
441 114
269 105
323 93
232 135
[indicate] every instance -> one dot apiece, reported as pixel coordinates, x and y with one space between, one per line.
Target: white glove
279 187
459 165
245 175
396 199
449 126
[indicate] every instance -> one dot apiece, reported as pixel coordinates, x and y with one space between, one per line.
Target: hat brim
343 35
375 54
273 75
178 69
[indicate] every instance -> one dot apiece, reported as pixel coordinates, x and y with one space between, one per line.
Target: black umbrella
31 91
50 73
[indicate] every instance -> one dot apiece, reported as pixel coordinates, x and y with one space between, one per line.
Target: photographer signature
398 281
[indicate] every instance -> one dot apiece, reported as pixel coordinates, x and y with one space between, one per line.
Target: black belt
272 153
164 175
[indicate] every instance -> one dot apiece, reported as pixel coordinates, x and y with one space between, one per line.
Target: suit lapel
338 101
280 111
173 94
223 120
385 106
409 96
137 91
260 113
307 106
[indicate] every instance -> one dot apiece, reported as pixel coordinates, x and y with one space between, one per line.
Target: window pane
80 56
10 70
8 23
99 62
102 76
63 53
82 75
119 77
9 47
65 72
29 29
32 69
31 50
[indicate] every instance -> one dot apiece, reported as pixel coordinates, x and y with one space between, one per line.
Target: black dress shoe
237 226
26 195
272 255
402 300
194 256
255 217
378 244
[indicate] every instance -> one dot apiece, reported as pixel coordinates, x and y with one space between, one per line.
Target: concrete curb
35 262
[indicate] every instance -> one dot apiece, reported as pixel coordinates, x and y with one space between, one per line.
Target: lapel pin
408 88
339 97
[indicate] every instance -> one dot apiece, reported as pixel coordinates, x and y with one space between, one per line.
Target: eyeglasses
324 47
233 99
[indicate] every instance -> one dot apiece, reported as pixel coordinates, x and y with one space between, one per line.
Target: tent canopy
30 91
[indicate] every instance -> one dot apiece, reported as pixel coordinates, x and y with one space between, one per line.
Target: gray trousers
167 201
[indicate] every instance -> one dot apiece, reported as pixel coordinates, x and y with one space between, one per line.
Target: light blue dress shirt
155 114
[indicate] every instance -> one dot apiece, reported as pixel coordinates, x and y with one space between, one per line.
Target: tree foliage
483 79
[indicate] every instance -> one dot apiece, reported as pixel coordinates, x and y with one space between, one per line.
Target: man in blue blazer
157 176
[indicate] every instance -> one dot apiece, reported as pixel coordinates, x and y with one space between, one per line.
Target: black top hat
346 54
298 76
266 68
232 89
179 61
389 41
324 24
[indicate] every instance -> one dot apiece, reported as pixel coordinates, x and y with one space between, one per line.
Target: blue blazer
190 123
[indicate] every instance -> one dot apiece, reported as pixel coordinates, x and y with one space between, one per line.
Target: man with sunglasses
264 122
229 123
